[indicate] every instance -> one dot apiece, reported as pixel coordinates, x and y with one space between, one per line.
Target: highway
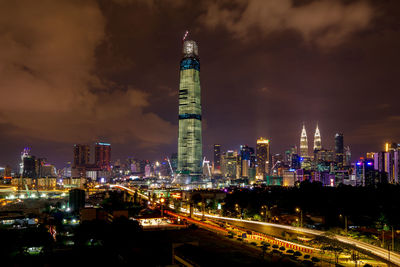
378 251
129 190
394 258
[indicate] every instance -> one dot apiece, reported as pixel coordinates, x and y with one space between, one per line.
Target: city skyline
131 102
115 150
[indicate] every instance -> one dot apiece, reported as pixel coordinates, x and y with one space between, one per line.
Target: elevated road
129 190
394 258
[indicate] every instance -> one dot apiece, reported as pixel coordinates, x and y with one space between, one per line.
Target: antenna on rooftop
184 37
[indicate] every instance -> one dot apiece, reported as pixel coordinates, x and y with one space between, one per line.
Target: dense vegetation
376 207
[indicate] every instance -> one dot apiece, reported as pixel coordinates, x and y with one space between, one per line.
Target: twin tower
304 142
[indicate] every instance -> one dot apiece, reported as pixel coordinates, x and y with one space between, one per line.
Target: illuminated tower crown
303 143
317 140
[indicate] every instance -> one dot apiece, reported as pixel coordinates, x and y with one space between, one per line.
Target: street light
298 210
162 200
264 210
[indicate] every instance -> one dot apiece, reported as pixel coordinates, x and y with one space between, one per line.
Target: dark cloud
326 23
49 81
81 71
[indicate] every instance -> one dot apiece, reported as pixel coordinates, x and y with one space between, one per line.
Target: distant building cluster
33 172
330 167
83 167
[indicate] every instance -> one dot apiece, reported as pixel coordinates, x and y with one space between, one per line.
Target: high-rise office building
392 164
246 153
324 155
102 156
303 143
217 158
5 172
80 161
29 167
48 170
229 162
81 155
347 156
317 140
379 161
189 137
289 155
296 162
339 149
263 157
25 153
276 163
387 163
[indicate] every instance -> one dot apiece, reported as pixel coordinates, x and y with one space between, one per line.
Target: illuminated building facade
189 137
339 149
102 156
325 155
263 158
81 160
229 164
289 155
317 140
217 159
24 154
347 156
392 162
246 154
387 163
81 155
303 143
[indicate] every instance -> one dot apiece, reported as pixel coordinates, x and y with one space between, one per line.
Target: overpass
382 253
392 257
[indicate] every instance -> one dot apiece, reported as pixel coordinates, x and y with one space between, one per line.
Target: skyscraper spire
317 140
303 143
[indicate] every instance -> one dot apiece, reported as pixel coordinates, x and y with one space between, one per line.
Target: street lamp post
298 210
264 210
345 222
162 200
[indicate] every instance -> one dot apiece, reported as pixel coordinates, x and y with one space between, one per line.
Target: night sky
87 71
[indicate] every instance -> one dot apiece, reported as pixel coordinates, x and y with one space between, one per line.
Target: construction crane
273 167
170 166
208 165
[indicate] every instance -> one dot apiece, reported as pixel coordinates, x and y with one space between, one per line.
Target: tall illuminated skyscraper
303 143
263 161
317 140
102 156
217 158
339 149
246 153
189 137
